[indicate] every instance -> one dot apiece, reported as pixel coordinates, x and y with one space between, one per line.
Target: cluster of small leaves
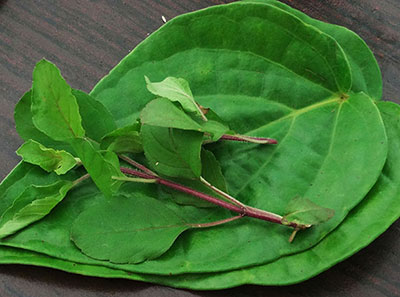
67 128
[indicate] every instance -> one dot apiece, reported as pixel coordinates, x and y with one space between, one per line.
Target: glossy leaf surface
365 70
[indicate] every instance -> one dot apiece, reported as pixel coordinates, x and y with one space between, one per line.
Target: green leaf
32 205
176 90
101 167
163 113
132 230
211 171
123 140
96 119
49 159
55 111
365 70
90 110
305 212
173 152
216 129
290 90
358 229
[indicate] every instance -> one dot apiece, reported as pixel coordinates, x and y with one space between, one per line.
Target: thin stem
222 193
136 180
200 109
78 162
81 179
246 211
291 238
244 138
216 223
137 165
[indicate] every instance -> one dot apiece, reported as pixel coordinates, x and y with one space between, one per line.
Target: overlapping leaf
309 102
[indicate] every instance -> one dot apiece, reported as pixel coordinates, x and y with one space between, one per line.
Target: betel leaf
211 172
365 70
55 111
303 211
96 119
101 167
175 89
123 140
47 158
32 205
173 152
132 230
236 37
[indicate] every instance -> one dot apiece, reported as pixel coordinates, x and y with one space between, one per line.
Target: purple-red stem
244 211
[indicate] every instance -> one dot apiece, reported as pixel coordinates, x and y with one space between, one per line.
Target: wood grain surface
87 38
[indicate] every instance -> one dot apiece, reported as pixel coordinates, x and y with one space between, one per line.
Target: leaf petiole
136 180
243 211
222 193
251 139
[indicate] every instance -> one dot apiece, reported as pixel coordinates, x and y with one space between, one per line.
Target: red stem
244 211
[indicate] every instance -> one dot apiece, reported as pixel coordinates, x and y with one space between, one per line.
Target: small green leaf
55 111
163 113
47 158
303 211
123 140
27 130
32 205
176 90
216 129
173 152
101 167
131 231
96 119
211 171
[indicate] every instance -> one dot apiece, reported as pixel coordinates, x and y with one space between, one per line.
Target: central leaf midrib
293 116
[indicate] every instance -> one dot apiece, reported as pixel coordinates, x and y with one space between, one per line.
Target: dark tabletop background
86 39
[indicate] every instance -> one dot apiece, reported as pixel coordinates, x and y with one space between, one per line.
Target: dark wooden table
86 38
